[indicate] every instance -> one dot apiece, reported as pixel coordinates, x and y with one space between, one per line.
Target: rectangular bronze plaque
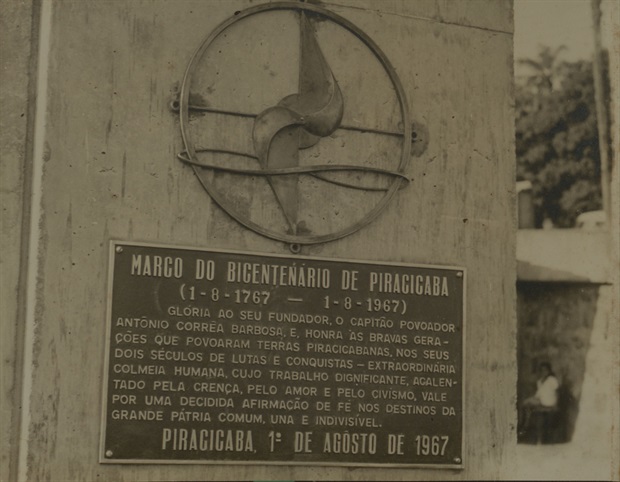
233 357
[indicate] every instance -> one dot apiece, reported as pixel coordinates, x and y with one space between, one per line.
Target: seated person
546 396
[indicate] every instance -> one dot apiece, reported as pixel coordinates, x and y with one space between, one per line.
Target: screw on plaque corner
109 453
119 249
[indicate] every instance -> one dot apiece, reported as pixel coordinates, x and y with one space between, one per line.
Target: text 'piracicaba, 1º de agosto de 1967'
218 356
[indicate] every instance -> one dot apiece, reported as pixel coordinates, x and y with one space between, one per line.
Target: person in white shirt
546 396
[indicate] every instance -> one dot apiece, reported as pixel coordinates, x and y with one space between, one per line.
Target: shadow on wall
554 325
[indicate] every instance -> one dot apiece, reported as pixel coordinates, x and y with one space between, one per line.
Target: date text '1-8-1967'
225 357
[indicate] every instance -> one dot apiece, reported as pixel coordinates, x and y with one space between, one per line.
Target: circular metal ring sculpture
296 112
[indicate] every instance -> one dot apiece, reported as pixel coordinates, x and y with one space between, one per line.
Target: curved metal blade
299 121
276 142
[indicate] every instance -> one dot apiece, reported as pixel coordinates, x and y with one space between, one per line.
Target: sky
553 23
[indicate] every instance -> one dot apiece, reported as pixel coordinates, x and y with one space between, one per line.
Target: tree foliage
557 139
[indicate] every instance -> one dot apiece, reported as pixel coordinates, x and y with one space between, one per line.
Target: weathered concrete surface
111 173
563 255
16 47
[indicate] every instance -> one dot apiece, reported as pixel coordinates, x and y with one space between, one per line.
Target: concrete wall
563 255
598 433
107 163
18 39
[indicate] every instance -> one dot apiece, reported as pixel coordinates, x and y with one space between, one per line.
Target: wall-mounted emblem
288 111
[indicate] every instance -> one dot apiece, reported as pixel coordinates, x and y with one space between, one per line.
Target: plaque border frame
114 243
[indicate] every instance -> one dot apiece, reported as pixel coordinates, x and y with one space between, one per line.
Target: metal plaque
234 357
